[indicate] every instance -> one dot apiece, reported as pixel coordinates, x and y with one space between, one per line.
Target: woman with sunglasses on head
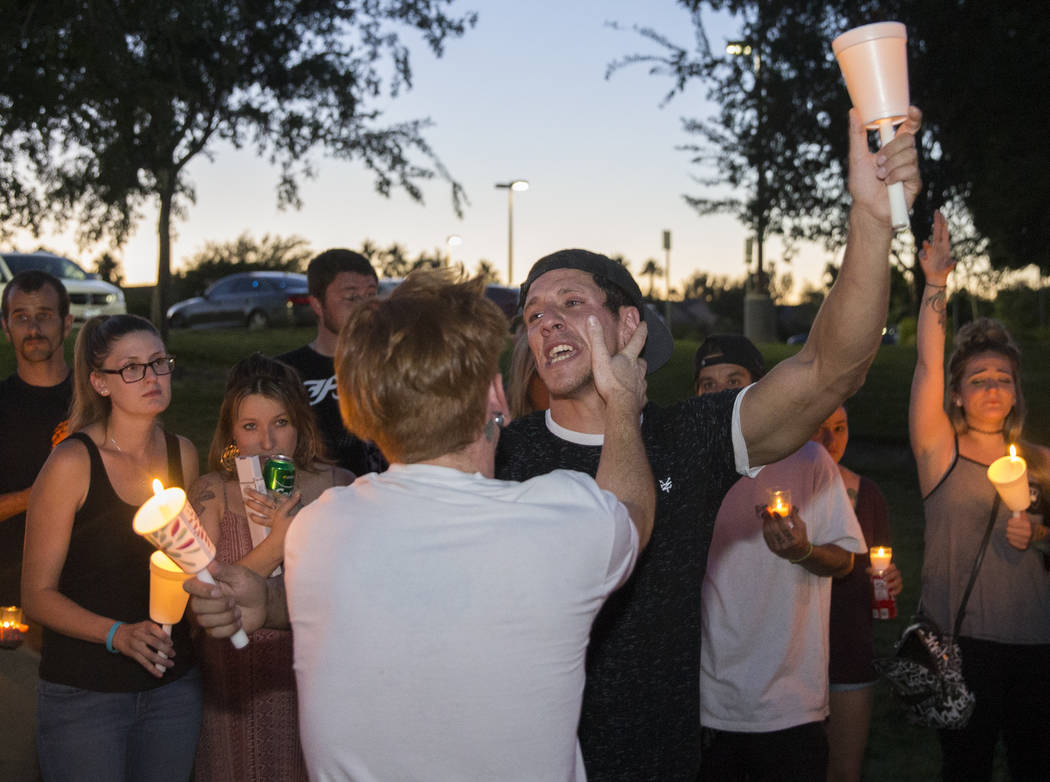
250 722
959 425
118 698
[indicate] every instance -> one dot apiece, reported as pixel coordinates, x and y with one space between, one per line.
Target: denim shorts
148 736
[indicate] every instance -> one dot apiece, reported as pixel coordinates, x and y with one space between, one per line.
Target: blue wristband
109 638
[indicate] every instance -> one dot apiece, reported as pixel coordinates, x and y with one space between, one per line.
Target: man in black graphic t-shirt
34 405
640 716
338 280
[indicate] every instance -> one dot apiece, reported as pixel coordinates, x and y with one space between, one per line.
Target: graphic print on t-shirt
319 390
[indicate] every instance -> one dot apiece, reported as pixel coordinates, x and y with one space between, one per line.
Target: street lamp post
453 240
510 187
759 312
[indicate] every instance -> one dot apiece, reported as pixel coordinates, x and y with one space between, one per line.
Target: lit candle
11 627
779 502
880 558
169 522
1009 475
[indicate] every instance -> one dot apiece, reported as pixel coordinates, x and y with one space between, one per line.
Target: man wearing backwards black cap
641 715
766 601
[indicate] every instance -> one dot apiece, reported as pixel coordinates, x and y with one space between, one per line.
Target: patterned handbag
925 674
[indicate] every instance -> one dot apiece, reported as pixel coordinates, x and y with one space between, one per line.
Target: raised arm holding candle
956 437
874 63
86 572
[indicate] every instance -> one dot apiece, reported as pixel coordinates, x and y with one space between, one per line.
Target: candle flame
882 552
158 487
1013 451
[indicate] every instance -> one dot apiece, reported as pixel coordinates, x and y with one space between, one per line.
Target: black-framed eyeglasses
133 373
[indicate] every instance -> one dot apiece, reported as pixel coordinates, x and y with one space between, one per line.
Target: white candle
169 522
1009 475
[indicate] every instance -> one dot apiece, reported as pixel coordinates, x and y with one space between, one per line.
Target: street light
759 312
745 49
452 240
519 185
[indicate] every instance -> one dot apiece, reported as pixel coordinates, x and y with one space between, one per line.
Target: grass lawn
878 422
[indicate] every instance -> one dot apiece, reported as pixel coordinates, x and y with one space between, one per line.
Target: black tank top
107 572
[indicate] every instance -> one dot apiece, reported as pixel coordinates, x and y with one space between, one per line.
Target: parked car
88 295
505 297
252 299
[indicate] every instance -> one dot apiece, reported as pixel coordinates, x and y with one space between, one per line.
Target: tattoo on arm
938 304
202 492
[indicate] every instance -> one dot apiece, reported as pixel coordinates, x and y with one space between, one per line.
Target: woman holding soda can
266 460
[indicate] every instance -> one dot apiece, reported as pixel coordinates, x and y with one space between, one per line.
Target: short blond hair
414 370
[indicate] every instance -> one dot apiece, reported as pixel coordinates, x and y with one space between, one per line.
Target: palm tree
488 272
650 270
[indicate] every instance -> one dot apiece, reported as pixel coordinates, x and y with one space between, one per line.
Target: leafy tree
103 105
393 261
435 259
725 296
279 253
765 154
651 270
108 268
778 138
369 249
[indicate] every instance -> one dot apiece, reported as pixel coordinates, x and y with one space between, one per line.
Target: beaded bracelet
110 636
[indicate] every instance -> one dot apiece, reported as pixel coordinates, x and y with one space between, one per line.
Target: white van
88 295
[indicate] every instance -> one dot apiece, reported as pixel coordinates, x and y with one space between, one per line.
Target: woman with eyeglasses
118 699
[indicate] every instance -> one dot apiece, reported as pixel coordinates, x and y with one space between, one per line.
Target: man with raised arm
641 715
441 617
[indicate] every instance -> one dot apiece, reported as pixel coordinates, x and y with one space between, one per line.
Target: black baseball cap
658 343
729 349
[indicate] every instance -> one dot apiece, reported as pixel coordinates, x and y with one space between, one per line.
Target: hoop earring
228 460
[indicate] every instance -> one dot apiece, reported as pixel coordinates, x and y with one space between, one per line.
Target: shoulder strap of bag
976 565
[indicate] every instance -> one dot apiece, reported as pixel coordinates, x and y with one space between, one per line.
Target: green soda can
279 474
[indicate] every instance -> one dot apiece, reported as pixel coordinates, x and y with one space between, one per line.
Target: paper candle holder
873 59
167 598
169 522
1009 475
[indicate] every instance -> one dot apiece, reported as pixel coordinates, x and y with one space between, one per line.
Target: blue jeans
146 736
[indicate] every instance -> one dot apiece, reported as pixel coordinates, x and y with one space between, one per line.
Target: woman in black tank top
118 698
1005 630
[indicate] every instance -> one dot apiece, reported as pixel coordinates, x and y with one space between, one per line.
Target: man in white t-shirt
442 617
766 598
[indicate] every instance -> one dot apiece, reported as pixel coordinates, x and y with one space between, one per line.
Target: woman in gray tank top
1005 633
